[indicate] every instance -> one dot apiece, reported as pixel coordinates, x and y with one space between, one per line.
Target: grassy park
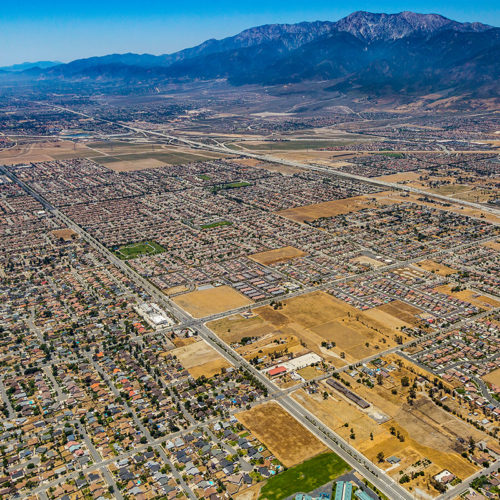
304 477
133 250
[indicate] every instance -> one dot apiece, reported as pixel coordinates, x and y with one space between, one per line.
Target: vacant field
331 159
401 177
278 255
363 259
272 167
402 310
304 477
298 145
380 316
65 234
318 317
396 197
469 296
134 250
200 359
495 245
43 151
173 157
310 320
310 372
493 377
285 437
233 328
251 493
434 267
117 147
336 411
211 301
310 213
133 165
275 342
429 431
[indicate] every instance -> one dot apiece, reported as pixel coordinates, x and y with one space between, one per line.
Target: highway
269 158
383 482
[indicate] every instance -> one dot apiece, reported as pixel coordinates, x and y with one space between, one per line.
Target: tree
405 381
380 456
325 395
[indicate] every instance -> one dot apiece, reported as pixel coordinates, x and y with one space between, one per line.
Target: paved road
464 485
383 482
290 163
150 440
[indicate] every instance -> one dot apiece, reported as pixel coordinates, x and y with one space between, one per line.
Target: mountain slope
391 52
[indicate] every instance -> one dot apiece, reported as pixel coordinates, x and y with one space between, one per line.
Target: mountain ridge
375 51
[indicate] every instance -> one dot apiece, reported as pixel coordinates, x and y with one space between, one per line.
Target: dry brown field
431 266
66 234
428 431
310 372
233 328
278 255
495 245
310 213
363 259
134 165
402 310
251 493
285 437
332 159
318 317
273 343
43 151
474 298
269 338
200 359
386 318
396 197
183 341
272 167
401 177
493 377
176 290
211 301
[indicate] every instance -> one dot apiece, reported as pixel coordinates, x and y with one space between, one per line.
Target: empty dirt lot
200 359
310 213
43 151
431 266
477 299
493 377
278 255
310 320
65 234
426 430
405 312
318 317
285 437
215 300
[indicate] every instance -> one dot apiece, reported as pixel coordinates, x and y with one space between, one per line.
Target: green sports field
304 477
133 250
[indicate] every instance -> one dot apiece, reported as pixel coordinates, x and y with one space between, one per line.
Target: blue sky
66 30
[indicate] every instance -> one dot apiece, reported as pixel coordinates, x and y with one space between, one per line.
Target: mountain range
405 52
